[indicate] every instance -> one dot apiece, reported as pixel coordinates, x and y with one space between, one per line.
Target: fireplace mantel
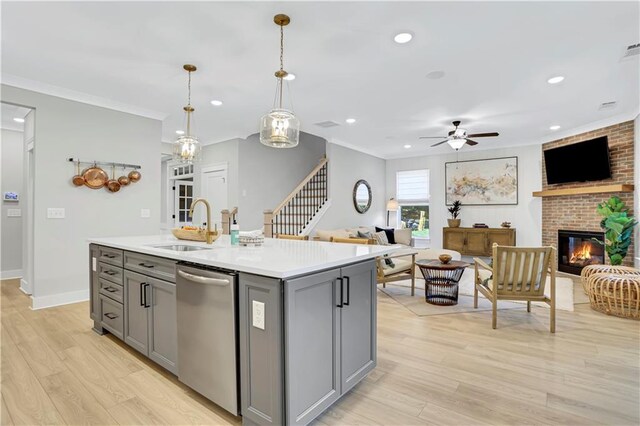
597 189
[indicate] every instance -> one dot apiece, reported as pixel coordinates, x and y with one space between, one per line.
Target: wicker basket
587 271
192 235
615 294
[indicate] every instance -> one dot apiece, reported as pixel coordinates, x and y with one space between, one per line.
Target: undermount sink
181 247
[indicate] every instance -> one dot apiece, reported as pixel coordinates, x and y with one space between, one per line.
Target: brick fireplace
578 212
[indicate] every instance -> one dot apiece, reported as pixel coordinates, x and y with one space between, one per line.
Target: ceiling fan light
457 143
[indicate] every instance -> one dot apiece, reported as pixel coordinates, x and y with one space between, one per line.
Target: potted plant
454 222
618 227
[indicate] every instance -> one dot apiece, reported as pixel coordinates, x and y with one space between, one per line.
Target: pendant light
186 148
280 128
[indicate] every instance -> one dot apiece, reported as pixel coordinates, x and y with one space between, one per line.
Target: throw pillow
365 234
381 238
388 262
390 235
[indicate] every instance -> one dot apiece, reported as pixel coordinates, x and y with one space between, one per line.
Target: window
412 193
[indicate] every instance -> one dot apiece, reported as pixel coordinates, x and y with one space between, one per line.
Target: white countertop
275 258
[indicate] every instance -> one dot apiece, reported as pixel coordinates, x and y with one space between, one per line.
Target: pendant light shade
186 149
280 128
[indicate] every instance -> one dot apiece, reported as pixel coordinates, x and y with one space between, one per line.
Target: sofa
402 236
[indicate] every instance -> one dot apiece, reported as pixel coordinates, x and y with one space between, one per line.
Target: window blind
412 187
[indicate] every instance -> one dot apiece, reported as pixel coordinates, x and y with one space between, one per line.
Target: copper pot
94 177
123 180
113 185
134 176
78 180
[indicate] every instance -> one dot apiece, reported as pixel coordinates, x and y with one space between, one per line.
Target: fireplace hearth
577 249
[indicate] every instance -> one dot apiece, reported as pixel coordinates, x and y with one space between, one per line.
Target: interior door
215 191
183 199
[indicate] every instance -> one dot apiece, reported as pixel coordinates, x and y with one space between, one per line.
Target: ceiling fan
458 137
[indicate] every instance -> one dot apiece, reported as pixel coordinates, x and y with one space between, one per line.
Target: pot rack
105 163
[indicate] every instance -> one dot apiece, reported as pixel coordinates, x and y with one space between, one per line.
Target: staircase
296 214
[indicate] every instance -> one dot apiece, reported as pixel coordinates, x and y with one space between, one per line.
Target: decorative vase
445 258
453 223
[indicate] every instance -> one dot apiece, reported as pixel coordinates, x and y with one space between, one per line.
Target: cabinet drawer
111 256
110 272
112 316
112 290
150 265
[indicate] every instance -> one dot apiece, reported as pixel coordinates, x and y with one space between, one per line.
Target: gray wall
64 129
268 175
12 180
346 167
526 216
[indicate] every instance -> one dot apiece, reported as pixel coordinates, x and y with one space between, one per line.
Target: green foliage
455 209
618 228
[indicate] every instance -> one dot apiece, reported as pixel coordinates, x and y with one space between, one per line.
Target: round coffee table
441 280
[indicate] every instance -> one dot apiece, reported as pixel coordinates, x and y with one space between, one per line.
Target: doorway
214 188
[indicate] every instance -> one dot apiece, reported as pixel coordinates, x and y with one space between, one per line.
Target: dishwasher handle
204 280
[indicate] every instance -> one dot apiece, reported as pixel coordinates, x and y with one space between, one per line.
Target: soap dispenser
235 233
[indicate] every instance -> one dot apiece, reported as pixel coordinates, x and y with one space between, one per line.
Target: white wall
12 148
526 216
268 175
346 167
65 129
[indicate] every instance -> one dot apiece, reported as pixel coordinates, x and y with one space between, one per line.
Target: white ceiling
497 57
8 112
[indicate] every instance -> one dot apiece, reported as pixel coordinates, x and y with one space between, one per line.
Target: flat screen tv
578 162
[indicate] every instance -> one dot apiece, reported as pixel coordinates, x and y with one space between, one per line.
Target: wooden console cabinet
477 241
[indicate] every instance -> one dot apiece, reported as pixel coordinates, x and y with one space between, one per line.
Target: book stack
480 225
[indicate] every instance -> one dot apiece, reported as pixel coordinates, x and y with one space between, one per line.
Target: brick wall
578 212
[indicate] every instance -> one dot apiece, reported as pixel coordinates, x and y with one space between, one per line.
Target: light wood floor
446 369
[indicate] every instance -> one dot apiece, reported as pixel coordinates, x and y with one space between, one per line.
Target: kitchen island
295 331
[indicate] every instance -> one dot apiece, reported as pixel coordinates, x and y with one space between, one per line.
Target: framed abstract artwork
492 181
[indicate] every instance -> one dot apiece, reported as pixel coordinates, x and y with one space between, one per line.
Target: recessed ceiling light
554 127
290 76
350 120
180 132
555 80
402 38
407 146
18 120
216 102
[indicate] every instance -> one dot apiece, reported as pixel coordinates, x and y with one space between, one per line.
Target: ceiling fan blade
431 137
471 143
439 143
484 135
451 132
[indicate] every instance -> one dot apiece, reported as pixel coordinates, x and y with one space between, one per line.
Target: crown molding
85 98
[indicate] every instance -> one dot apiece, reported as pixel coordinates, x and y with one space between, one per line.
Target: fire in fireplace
577 249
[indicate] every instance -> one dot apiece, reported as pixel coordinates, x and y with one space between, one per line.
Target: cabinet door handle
348 291
111 289
112 273
144 265
109 256
142 303
145 296
110 315
341 304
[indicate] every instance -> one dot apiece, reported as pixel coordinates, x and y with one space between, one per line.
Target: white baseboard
24 286
10 274
59 299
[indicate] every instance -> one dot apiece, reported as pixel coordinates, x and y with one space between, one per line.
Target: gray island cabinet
305 314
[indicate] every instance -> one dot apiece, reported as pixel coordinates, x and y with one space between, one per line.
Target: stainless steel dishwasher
207 333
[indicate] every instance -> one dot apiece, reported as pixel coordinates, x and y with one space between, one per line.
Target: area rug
420 307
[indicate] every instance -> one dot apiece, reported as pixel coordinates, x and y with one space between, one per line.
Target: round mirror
362 196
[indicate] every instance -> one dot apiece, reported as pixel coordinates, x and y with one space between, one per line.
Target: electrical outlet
14 213
145 213
55 213
258 314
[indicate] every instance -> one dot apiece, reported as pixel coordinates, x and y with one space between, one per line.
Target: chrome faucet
209 233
